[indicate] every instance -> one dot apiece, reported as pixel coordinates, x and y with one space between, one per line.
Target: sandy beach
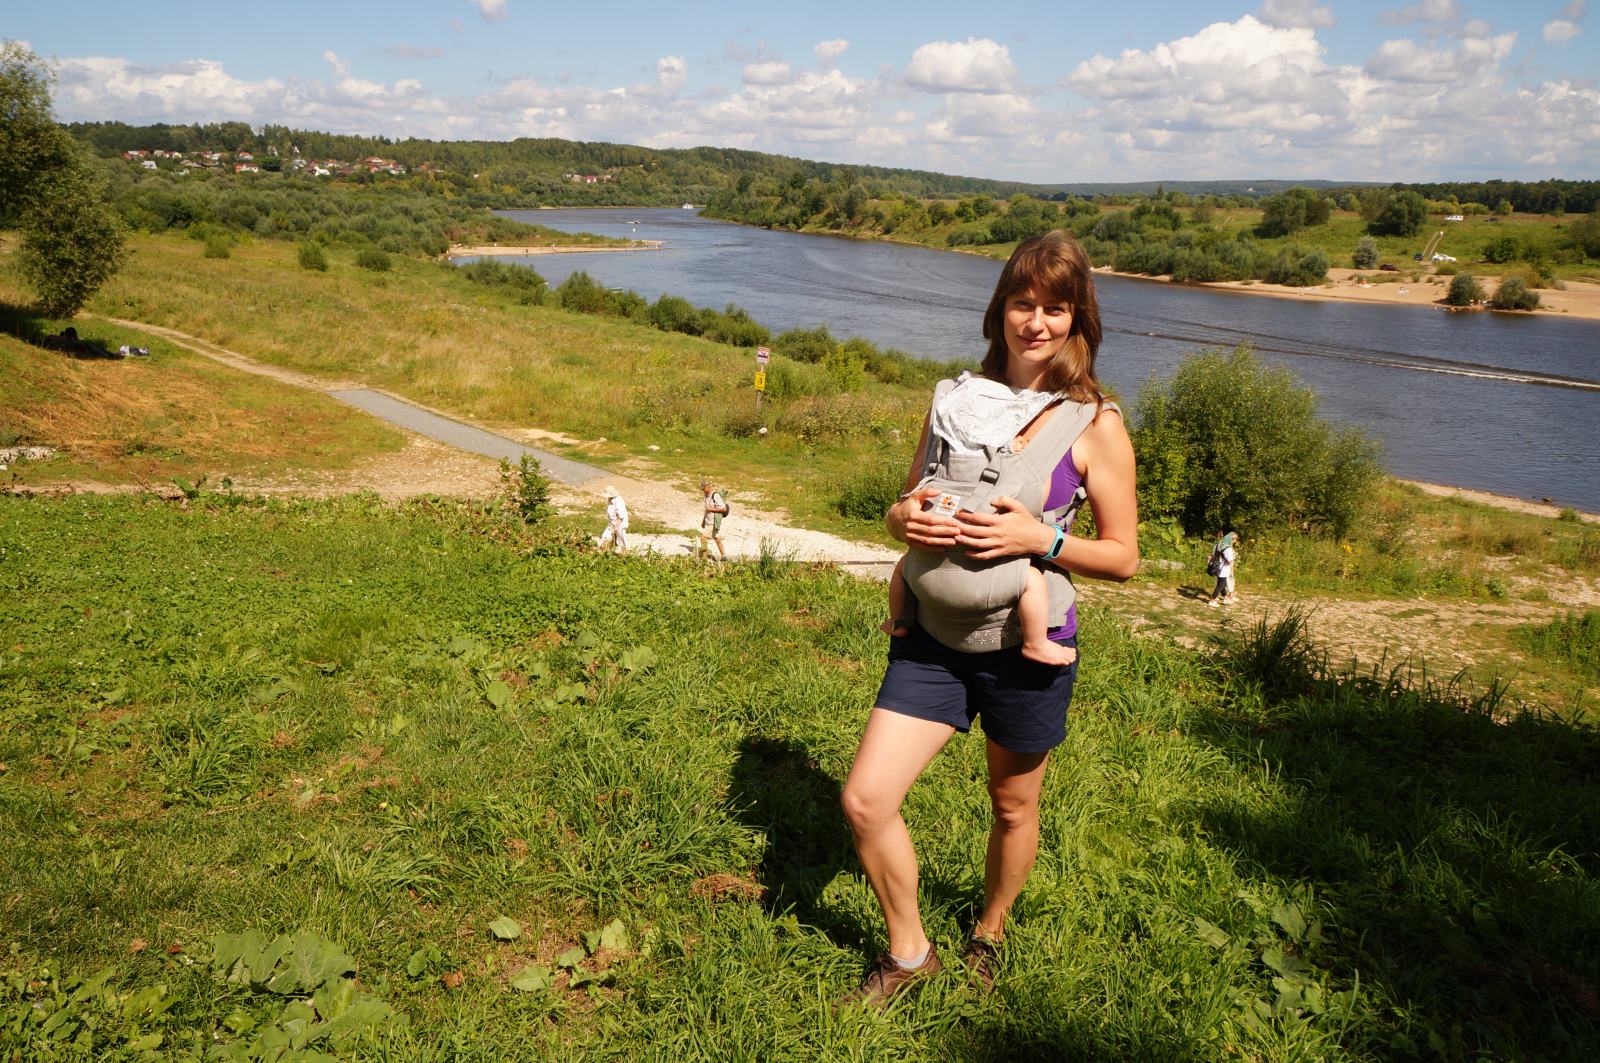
1581 299
484 250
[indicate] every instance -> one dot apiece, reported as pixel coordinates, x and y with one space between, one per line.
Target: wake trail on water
1221 335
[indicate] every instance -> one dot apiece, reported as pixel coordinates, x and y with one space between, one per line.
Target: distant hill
593 173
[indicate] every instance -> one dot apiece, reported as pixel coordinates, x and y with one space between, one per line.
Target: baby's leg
900 612
1033 609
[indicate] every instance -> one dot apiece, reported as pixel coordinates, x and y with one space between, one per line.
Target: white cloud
1472 59
671 72
768 72
340 67
491 10
1296 14
1560 31
1426 11
828 52
974 65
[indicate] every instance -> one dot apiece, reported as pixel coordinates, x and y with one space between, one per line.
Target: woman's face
1036 328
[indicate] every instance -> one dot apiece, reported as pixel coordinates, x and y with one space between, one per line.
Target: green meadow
296 780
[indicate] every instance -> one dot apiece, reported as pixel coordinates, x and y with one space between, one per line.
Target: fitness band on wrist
1055 547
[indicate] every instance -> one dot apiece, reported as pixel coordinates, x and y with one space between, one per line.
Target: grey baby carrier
971 605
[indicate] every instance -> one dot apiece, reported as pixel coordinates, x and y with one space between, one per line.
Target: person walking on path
1043 328
716 507
616 522
1223 556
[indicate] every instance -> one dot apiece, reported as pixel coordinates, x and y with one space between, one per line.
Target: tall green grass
557 804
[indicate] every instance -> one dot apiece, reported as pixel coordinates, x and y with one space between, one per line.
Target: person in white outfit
616 522
1223 556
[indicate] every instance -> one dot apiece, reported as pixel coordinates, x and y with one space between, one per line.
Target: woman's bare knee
866 811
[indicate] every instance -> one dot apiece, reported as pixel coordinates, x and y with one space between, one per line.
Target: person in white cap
616 522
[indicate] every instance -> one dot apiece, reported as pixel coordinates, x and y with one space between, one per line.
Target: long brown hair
1055 266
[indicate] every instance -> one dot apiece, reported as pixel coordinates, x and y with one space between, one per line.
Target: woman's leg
1015 780
894 750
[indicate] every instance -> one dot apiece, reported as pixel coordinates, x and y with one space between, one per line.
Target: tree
71 237
1403 214
1231 442
1513 294
1464 290
1366 253
1585 235
1292 210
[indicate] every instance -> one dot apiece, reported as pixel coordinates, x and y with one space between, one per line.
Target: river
1496 402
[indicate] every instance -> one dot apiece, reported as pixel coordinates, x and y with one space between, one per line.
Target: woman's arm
1105 454
906 519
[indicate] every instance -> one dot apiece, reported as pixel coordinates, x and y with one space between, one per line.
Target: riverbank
502 250
1489 498
1580 299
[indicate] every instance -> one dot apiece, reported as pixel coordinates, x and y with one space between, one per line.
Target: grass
388 730
1571 641
146 420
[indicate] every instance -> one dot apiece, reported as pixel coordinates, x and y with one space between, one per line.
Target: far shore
1580 299
488 250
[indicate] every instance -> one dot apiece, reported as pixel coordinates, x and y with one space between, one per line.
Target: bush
805 345
1514 294
1502 249
313 257
872 492
671 313
1298 268
527 488
583 294
373 258
1464 290
526 282
1366 253
217 245
1228 442
1572 640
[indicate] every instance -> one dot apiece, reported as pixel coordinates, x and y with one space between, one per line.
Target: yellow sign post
761 380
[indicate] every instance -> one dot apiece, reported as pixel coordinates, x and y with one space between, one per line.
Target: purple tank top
1064 483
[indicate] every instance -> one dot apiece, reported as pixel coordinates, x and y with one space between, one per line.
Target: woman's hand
914 526
1010 531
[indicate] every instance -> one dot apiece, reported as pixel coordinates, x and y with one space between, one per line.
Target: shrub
846 368
1464 290
526 282
1502 249
1230 442
671 313
1298 267
583 294
1514 294
1572 640
313 257
373 258
805 345
527 488
1366 253
216 246
870 494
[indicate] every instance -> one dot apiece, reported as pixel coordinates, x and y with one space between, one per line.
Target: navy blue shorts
1021 703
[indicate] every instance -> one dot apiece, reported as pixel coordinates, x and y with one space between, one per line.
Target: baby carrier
970 605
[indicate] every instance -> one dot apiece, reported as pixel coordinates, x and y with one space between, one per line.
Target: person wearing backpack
1220 564
962 660
715 508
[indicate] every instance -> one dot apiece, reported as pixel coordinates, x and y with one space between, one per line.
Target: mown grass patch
407 738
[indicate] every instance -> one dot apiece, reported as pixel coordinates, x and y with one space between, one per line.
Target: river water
1497 402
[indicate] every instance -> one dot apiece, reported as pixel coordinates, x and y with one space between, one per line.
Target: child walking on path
1220 565
616 522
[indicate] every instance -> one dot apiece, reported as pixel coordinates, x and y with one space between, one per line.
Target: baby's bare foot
1047 652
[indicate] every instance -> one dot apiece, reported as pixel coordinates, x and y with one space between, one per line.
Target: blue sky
1436 89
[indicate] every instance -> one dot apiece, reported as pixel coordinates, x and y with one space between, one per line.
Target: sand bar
1580 299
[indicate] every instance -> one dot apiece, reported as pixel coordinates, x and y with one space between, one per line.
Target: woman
1043 328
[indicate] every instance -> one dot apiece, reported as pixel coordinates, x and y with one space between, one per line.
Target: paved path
464 436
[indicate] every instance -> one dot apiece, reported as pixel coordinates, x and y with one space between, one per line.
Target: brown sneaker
887 979
982 958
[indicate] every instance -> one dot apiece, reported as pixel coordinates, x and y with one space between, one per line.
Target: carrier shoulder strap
1056 438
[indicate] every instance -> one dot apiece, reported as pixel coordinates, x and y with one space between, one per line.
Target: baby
975 414
1033 613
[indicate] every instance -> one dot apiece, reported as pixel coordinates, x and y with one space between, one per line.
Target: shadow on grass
27 325
778 789
1452 836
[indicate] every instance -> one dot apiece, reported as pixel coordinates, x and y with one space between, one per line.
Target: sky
1344 90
